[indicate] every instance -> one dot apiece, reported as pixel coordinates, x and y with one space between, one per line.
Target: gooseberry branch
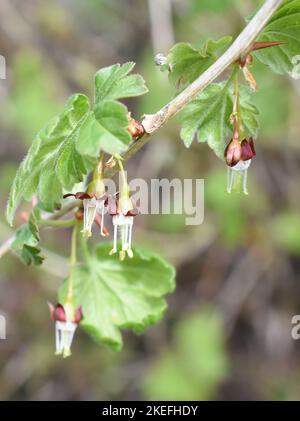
151 123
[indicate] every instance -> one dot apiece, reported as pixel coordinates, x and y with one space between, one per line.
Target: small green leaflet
26 241
207 117
106 125
52 162
284 26
116 294
114 83
187 63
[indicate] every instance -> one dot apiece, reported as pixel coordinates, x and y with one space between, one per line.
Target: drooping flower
66 320
94 202
238 170
123 212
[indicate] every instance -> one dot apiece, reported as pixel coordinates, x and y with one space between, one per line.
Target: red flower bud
135 128
233 152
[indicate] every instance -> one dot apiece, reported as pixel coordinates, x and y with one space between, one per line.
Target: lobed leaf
26 241
207 118
107 124
114 83
116 294
187 63
284 26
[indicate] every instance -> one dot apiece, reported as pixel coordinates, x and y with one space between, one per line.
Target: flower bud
135 128
233 152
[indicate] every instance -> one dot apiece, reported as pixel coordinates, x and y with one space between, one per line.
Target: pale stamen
241 168
123 224
64 333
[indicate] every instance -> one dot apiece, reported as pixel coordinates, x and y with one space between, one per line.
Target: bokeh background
227 332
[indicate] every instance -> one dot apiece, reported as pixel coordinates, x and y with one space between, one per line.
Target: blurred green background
226 334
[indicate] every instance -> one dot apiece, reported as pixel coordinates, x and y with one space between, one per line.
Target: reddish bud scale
259 45
233 152
135 128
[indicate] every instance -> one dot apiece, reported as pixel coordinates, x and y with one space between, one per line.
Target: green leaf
52 162
117 294
284 26
31 256
26 239
207 118
187 63
106 127
114 83
108 133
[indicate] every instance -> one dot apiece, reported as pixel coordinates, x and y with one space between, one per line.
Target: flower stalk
66 316
240 151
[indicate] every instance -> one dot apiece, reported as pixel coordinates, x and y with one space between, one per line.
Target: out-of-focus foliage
212 6
32 100
196 363
285 231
